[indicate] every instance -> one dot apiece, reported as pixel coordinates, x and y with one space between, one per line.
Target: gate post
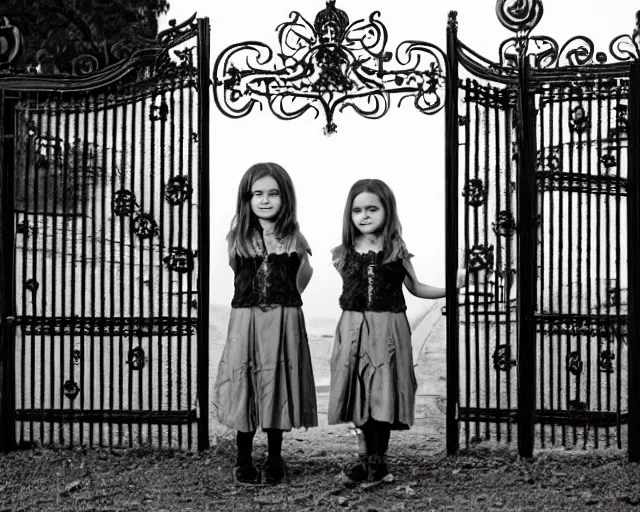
7 300
633 256
527 265
204 232
451 240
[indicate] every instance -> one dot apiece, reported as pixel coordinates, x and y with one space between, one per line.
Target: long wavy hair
245 223
391 229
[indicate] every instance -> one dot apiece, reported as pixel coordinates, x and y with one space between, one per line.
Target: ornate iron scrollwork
605 361
180 260
480 257
608 161
145 226
136 358
502 358
70 389
124 203
475 192
326 67
505 224
177 190
621 129
574 363
76 356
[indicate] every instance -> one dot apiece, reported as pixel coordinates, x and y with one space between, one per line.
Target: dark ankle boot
378 468
244 472
359 471
274 470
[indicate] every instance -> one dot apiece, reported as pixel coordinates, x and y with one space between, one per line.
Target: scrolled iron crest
327 67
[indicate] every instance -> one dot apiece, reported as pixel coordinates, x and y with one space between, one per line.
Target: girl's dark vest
266 281
370 285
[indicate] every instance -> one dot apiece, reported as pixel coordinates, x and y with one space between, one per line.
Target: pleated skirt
372 373
265 377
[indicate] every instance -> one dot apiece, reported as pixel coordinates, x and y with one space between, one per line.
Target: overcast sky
405 148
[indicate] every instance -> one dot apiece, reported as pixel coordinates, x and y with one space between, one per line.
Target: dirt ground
486 478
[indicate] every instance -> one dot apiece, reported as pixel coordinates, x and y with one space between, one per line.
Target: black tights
244 441
376 436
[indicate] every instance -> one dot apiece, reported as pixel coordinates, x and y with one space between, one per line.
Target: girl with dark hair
373 383
265 378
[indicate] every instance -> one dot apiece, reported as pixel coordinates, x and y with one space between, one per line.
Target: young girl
265 378
373 383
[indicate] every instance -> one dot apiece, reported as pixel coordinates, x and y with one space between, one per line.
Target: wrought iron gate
538 346
105 232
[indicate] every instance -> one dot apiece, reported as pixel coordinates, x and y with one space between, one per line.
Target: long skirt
372 375
265 377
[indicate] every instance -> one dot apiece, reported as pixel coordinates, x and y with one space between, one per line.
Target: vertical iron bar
153 320
569 257
122 276
132 287
204 230
83 261
608 261
143 204
170 313
190 228
561 213
97 170
526 263
112 263
476 239
7 297
64 247
496 93
181 301
552 222
103 252
545 149
603 90
487 93
508 255
58 156
588 258
467 313
46 212
163 250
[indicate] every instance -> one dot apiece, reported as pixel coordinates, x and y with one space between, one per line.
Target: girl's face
367 213
265 198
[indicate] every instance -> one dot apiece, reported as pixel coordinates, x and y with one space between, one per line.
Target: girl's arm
425 291
305 271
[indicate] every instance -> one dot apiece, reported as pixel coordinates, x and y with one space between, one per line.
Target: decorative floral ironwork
180 260
579 121
159 112
70 389
76 356
124 203
577 405
136 358
145 226
328 66
32 285
621 129
177 190
505 224
502 358
608 161
475 192
574 363
605 361
480 257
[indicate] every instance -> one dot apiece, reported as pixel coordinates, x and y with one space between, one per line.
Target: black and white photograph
322 255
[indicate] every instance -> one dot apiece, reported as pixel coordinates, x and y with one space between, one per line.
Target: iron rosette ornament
327 67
